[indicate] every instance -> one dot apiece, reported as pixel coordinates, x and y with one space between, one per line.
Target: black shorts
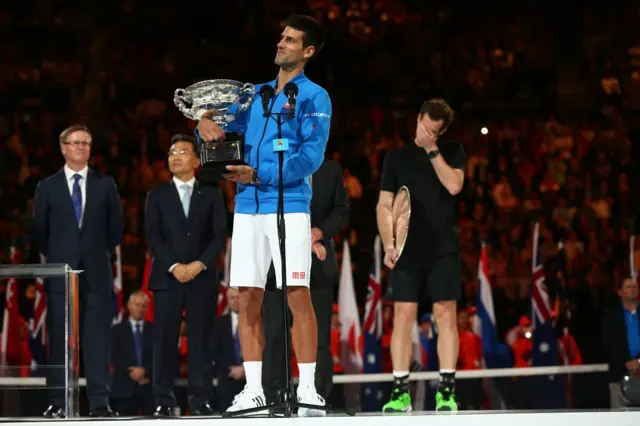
441 277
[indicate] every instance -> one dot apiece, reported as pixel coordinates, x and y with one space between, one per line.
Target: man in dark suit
329 214
78 221
621 338
186 228
131 356
227 353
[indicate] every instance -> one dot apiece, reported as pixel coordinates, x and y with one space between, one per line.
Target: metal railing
71 324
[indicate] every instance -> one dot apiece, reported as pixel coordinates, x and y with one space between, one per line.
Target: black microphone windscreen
291 89
266 91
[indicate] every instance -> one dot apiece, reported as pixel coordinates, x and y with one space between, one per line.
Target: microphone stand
286 403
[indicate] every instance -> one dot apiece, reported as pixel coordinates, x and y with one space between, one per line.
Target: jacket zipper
266 123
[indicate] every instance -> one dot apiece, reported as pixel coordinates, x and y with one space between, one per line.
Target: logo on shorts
298 275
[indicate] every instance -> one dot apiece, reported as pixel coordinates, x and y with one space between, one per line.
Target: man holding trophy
243 142
416 221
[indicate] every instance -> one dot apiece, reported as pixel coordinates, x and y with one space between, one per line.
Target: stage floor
475 418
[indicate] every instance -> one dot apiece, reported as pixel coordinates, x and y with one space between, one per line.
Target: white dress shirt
135 323
190 183
82 182
234 322
178 183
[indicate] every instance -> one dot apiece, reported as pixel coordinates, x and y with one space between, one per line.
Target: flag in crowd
485 321
10 342
118 308
349 317
223 307
485 327
632 258
547 391
429 343
38 326
372 332
562 308
145 287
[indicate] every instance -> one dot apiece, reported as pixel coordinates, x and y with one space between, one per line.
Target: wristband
254 177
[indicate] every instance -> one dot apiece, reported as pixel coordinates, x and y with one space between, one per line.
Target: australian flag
563 308
547 391
372 333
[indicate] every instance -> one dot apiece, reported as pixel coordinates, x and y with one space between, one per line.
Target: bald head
137 305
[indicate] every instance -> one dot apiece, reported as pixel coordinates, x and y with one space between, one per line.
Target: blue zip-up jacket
307 134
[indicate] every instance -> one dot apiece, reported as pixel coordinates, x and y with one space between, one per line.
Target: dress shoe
105 411
163 411
54 412
204 410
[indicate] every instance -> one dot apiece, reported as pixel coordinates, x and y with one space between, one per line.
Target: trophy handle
250 90
179 99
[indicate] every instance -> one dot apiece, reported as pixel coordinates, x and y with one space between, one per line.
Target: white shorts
254 244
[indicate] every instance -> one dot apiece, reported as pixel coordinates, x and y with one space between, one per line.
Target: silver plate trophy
218 95
401 212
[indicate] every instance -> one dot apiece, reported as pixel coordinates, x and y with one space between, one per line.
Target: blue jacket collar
300 78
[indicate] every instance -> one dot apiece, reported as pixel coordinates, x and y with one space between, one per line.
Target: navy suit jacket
88 247
123 356
174 238
329 213
614 337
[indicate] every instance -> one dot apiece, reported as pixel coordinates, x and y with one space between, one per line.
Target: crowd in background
547 108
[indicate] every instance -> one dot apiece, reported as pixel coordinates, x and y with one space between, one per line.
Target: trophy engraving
221 96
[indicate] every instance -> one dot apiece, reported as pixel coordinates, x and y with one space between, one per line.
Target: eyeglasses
78 143
176 152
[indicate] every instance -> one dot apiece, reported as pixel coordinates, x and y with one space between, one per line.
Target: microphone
266 93
291 90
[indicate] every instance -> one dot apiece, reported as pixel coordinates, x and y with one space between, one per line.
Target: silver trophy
218 95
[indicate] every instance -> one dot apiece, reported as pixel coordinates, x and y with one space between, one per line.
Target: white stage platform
475 418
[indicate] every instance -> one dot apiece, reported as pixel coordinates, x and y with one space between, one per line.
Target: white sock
253 372
307 374
399 374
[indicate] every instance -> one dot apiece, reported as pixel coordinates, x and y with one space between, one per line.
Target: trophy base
216 156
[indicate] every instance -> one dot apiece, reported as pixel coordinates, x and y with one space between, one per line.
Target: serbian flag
484 326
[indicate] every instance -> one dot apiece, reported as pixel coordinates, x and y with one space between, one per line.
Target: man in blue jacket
255 230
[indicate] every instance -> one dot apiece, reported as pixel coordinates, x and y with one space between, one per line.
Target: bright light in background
484 130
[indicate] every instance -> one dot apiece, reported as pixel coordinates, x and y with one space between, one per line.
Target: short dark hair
185 138
72 129
438 109
311 29
621 283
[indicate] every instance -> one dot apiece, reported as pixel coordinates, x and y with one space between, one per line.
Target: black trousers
273 358
199 300
95 318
